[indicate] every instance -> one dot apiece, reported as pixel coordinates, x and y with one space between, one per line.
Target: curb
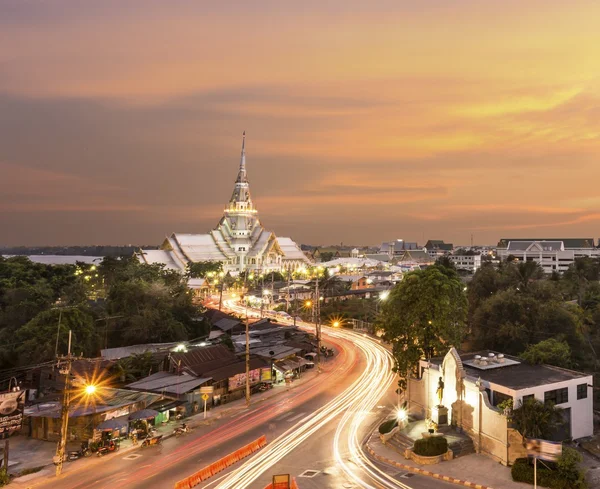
427 473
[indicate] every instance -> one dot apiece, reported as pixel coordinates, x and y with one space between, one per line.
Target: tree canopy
423 316
119 302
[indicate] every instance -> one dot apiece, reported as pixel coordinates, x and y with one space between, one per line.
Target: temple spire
242 173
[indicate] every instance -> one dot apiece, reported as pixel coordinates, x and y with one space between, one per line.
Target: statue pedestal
439 414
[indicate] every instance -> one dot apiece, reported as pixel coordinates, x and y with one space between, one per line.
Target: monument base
439 414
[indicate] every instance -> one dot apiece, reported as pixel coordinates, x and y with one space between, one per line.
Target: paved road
176 458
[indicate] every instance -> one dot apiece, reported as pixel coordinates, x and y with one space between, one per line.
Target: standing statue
440 391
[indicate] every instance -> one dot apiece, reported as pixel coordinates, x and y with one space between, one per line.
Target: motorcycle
85 451
111 447
155 440
181 430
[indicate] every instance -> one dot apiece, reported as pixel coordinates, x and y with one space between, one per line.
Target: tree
550 351
444 261
535 419
201 269
423 316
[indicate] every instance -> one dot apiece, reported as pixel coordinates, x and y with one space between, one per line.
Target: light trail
353 404
361 396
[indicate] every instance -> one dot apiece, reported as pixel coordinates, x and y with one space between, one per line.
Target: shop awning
166 405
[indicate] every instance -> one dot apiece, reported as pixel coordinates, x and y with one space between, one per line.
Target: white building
470 263
239 241
474 385
552 254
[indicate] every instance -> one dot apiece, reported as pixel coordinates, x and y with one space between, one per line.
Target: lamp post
88 390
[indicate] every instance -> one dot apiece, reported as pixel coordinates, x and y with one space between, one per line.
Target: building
398 247
476 383
469 263
239 241
437 247
553 255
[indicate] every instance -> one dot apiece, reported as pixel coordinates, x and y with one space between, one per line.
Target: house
398 247
44 418
184 389
553 255
226 370
476 383
420 257
437 247
469 263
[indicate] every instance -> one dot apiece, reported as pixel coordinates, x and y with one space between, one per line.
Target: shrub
522 471
4 477
388 426
430 447
31 470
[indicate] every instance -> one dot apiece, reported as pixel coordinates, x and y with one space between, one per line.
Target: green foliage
535 419
4 477
202 268
388 426
550 351
431 446
565 474
444 261
151 304
423 316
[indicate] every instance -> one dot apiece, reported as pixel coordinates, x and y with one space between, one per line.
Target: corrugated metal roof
168 382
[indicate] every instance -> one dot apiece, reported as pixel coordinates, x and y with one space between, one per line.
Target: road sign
544 449
207 390
205 397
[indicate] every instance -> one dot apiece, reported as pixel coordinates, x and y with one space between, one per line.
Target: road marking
133 456
283 416
309 473
296 417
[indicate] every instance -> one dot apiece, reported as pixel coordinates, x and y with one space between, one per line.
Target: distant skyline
121 122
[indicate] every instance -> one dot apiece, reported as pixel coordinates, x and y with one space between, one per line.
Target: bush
522 471
430 447
4 477
31 470
388 426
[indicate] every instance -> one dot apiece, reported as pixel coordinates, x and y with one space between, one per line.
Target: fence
221 464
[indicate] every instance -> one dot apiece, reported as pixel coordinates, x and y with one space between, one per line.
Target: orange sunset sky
121 120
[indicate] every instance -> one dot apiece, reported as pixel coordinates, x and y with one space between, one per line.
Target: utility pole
60 452
317 322
247 359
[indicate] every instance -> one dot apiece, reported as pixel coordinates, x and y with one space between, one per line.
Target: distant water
62 259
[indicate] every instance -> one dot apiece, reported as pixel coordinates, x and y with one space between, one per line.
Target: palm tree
535 419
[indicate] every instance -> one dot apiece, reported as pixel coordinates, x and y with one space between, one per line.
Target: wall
582 413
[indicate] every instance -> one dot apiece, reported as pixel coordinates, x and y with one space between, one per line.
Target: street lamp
90 389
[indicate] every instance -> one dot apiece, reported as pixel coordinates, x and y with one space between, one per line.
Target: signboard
265 375
205 397
281 481
207 390
11 412
544 449
239 380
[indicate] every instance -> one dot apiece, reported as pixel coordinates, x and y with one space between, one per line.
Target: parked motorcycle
111 447
85 451
181 430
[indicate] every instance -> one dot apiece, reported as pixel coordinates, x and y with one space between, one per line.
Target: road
325 451
176 458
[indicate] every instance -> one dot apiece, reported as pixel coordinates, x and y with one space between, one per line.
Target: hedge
522 471
388 426
430 447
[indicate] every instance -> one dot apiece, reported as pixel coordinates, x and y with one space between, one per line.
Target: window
557 396
582 391
528 397
499 397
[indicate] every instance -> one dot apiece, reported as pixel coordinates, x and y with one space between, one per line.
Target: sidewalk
28 453
475 470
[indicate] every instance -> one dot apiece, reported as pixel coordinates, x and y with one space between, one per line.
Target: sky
121 120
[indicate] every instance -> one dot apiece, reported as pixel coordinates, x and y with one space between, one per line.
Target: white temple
239 240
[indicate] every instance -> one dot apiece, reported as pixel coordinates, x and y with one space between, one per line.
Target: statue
440 391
